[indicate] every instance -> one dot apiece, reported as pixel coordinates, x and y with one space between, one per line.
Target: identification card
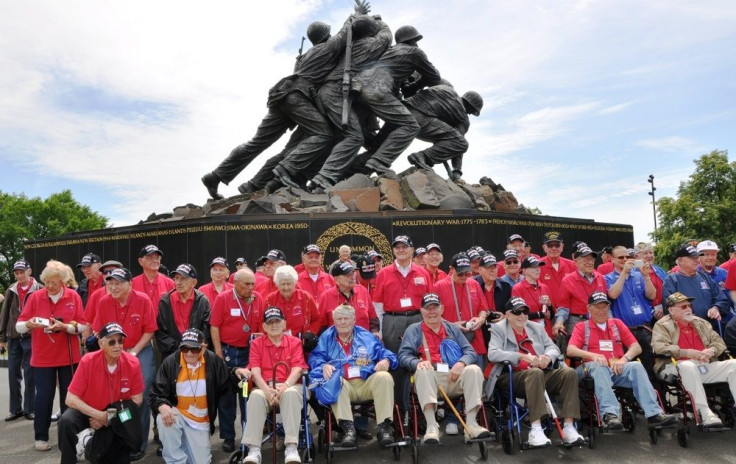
703 368
235 312
418 280
704 285
406 302
353 372
443 367
605 345
124 415
636 309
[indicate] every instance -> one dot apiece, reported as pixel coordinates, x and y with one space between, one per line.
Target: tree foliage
705 209
23 218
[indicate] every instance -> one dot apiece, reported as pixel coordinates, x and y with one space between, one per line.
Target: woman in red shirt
298 306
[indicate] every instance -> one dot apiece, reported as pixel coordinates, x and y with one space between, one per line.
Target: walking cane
452 406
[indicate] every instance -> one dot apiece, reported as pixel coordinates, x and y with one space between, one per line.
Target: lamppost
654 204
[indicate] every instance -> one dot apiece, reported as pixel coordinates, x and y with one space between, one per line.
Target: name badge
704 285
406 303
418 280
235 312
636 309
605 345
124 415
353 372
443 367
703 369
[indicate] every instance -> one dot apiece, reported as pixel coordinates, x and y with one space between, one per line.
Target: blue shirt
719 277
701 287
506 278
631 305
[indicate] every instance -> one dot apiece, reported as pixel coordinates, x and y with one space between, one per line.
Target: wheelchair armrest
726 355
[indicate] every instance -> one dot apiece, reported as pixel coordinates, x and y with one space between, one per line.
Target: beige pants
470 385
693 379
258 408
379 387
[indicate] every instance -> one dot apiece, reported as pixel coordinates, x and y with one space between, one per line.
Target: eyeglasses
108 271
553 245
190 349
621 257
115 341
683 306
513 261
519 312
464 274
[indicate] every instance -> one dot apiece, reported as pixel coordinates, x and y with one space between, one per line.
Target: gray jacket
503 347
11 310
412 342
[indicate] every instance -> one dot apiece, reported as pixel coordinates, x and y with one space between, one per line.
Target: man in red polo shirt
372 262
347 292
133 311
432 263
104 377
93 278
151 282
608 349
219 273
273 260
90 310
556 267
240 263
236 315
313 279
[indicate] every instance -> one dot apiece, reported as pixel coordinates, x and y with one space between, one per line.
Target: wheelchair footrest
491 437
713 429
525 445
343 448
577 444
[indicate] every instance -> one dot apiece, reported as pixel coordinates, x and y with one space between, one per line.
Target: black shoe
211 181
612 422
418 160
283 176
228 445
247 188
662 420
160 451
30 416
385 433
56 417
137 455
13 416
349 438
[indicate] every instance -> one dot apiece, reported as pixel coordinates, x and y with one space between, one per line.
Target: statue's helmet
318 32
475 101
364 26
407 33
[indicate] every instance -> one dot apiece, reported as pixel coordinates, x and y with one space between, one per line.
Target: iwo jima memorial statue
362 88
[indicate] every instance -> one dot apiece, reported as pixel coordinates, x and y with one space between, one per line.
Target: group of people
158 346
338 90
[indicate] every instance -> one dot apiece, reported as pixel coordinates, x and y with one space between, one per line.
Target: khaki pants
693 379
531 383
258 408
379 387
470 385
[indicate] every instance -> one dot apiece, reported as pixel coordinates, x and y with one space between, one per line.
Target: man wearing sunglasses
103 379
696 347
184 397
512 266
556 267
532 354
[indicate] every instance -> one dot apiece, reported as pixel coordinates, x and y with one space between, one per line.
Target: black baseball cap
261 261
473 254
121 274
193 338
598 297
552 236
430 299
488 260
688 251
241 260
373 255
403 239
515 237
584 251
510 254
311 248
219 260
531 261
276 255
88 260
433 246
515 304
343 268
149 249
420 251
732 248
112 328
273 313
21 265
186 270
366 267
460 262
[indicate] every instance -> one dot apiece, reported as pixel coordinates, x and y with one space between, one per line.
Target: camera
638 263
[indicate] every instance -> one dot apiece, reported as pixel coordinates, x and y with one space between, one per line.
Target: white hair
285 273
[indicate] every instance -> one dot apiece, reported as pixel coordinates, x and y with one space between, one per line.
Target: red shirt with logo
210 291
576 289
95 385
689 339
265 355
316 288
608 335
358 299
135 316
90 311
436 277
181 310
233 315
552 277
443 289
528 349
300 311
392 287
433 343
161 285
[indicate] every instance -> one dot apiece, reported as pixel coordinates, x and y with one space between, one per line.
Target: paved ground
16 447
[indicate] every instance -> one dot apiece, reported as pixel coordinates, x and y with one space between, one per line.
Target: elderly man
152 282
532 354
104 379
347 292
235 316
219 274
645 252
90 310
17 344
495 291
93 278
181 309
240 263
707 263
419 255
372 263
608 349
696 347
276 363
273 260
134 312
512 267
556 266
185 397
363 364
432 263
710 303
535 293
420 353
313 279
731 258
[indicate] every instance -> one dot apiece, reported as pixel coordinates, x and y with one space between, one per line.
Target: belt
232 346
640 328
580 316
402 313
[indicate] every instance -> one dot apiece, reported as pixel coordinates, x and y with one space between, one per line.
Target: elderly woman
298 306
54 315
531 353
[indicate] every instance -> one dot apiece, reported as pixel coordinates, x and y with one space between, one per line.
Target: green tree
23 218
705 209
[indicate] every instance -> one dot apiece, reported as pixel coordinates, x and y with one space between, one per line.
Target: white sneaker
572 437
83 438
432 435
451 428
254 455
291 454
537 438
709 419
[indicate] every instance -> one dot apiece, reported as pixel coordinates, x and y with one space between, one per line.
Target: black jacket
218 381
11 310
168 335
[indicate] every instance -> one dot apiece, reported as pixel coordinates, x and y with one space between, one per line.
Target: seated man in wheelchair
276 363
600 343
420 352
363 362
696 347
532 353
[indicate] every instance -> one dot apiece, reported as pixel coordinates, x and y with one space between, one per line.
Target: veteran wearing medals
236 314
420 353
110 376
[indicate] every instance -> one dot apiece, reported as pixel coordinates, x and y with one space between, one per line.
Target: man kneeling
363 363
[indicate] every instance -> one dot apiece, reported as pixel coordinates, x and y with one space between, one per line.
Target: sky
128 104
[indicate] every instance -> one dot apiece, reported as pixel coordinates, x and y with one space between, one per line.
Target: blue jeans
46 378
19 368
633 376
147 358
234 357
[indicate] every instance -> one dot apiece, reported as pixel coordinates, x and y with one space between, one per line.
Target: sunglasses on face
553 245
464 274
189 349
519 312
513 261
115 341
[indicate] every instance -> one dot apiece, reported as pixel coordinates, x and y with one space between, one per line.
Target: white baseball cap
708 245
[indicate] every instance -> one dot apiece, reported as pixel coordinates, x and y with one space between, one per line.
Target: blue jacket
365 352
408 356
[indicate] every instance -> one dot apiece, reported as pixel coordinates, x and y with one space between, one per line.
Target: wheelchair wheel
683 437
329 454
591 437
507 441
728 417
653 436
629 420
321 441
415 452
236 457
483 450
397 453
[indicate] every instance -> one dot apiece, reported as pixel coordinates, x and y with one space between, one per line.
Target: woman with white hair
298 306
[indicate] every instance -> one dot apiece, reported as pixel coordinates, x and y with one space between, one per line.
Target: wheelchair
326 432
719 399
305 443
509 417
417 423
